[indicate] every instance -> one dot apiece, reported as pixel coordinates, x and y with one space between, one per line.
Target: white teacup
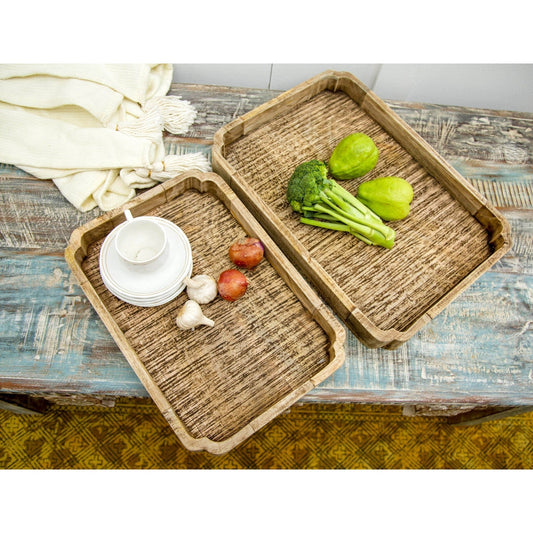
140 240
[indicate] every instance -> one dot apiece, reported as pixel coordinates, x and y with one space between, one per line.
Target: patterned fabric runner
134 435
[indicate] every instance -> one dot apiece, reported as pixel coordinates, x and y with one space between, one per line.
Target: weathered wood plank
52 339
467 133
56 342
218 106
479 350
492 149
519 260
503 185
506 180
36 216
455 132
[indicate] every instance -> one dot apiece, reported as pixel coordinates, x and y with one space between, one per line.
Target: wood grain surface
478 351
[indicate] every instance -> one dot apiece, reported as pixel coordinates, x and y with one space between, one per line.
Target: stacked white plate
155 283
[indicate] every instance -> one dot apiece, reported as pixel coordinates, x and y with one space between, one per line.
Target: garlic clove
196 282
201 288
207 322
190 315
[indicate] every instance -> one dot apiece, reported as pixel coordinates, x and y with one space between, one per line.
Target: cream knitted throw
95 130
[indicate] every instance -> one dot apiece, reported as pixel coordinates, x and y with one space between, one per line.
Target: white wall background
492 86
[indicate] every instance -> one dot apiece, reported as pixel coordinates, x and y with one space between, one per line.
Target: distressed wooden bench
472 362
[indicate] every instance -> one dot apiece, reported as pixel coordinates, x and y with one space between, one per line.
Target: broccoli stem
337 227
353 201
371 232
339 205
327 225
357 218
360 228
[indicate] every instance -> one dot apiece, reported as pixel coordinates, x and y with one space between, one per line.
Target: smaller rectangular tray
451 237
215 386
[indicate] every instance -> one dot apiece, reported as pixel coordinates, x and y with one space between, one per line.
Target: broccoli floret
324 203
306 184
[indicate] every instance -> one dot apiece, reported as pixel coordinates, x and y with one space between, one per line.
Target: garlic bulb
190 316
201 288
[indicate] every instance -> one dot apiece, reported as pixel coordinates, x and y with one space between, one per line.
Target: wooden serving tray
451 237
216 386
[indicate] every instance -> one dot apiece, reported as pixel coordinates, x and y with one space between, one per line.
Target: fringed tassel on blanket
177 114
171 166
149 125
169 113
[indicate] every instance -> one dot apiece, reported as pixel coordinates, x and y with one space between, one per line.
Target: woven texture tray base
384 296
217 385
392 286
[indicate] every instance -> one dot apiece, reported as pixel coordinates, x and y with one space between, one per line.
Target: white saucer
148 286
149 301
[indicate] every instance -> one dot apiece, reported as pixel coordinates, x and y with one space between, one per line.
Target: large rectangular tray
452 236
216 386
